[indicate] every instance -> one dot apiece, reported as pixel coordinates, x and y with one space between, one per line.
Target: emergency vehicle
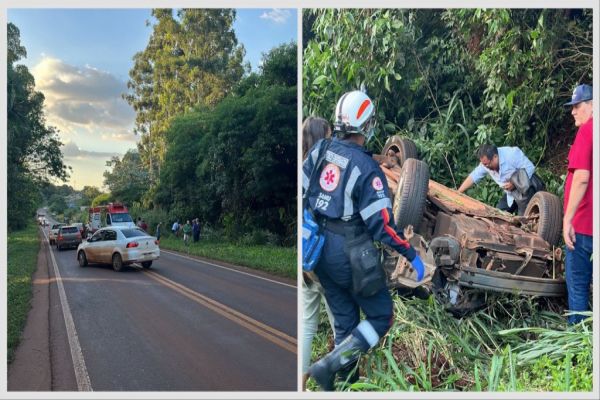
113 214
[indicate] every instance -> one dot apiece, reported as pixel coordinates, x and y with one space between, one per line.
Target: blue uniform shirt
350 182
510 159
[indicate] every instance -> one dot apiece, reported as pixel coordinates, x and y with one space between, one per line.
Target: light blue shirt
510 159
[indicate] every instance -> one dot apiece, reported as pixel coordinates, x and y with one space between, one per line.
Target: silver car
119 246
53 232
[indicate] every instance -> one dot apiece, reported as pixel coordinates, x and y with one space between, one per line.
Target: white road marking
81 374
230 269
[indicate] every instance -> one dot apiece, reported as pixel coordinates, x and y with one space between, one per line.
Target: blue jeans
579 275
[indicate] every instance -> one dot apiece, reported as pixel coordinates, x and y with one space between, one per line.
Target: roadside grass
276 260
516 344
22 253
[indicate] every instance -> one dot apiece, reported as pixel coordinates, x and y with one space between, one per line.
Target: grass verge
516 344
279 261
22 253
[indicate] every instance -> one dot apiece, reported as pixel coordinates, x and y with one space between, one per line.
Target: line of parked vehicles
118 243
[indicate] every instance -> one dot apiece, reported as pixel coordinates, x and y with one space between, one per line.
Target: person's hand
508 186
417 264
569 234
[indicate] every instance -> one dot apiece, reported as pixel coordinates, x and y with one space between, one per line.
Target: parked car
469 248
68 236
80 227
119 246
53 232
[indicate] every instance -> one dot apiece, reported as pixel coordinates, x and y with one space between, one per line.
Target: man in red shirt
578 205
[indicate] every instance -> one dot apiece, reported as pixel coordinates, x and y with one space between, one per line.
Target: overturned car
469 248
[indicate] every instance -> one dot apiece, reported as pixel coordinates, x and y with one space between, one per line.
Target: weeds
516 344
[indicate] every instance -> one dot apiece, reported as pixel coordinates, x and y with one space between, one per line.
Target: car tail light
132 244
59 236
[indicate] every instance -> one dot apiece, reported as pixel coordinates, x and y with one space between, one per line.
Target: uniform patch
377 184
330 177
338 160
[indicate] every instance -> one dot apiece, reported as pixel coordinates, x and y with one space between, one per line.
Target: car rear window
69 229
129 233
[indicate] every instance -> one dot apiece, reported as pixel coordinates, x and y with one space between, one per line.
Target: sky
80 59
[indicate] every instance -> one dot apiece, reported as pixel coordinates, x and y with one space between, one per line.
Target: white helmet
354 113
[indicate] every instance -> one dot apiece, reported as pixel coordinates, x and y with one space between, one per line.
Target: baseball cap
581 93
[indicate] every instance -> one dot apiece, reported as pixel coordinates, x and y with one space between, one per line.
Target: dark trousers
579 275
517 206
335 275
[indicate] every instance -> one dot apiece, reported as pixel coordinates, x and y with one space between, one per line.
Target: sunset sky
80 59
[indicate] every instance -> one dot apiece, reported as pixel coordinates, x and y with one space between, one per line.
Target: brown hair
313 130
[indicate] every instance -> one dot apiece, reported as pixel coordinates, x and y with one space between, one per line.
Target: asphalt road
183 325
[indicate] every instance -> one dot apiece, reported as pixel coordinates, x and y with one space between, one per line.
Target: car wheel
117 262
409 200
545 213
404 148
82 259
147 264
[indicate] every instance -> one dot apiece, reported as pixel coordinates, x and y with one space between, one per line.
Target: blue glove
417 264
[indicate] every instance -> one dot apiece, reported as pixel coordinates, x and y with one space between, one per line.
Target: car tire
117 262
147 264
548 223
82 259
409 200
404 148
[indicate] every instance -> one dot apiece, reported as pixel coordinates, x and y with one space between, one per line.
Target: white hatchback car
119 246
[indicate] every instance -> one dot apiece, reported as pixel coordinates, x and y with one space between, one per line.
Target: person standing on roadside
175 227
196 230
578 205
187 232
157 232
350 202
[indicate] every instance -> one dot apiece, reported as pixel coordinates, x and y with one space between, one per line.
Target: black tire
548 209
117 262
82 259
409 200
147 264
404 148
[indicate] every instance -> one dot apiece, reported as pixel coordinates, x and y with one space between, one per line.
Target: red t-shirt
581 157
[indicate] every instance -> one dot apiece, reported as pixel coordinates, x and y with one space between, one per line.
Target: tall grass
516 344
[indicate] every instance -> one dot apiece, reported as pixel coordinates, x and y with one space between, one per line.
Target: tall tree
33 149
128 180
190 60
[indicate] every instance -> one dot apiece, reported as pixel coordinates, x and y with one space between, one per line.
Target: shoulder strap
322 152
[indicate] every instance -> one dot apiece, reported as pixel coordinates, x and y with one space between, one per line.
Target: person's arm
579 184
467 183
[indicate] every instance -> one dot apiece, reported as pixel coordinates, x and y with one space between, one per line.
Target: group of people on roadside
187 230
346 194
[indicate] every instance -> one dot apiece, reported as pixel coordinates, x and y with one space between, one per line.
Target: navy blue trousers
335 275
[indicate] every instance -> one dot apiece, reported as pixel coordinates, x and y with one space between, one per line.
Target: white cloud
82 96
72 151
277 15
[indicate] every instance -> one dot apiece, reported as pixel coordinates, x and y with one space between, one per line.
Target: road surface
185 324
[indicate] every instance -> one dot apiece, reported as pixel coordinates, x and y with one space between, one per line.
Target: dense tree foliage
454 79
235 165
33 149
128 180
191 59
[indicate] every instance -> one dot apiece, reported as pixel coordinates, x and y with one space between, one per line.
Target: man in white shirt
503 165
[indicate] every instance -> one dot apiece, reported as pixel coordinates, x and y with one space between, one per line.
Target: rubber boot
344 355
349 374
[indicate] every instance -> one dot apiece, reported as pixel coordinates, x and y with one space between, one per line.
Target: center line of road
81 374
273 335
